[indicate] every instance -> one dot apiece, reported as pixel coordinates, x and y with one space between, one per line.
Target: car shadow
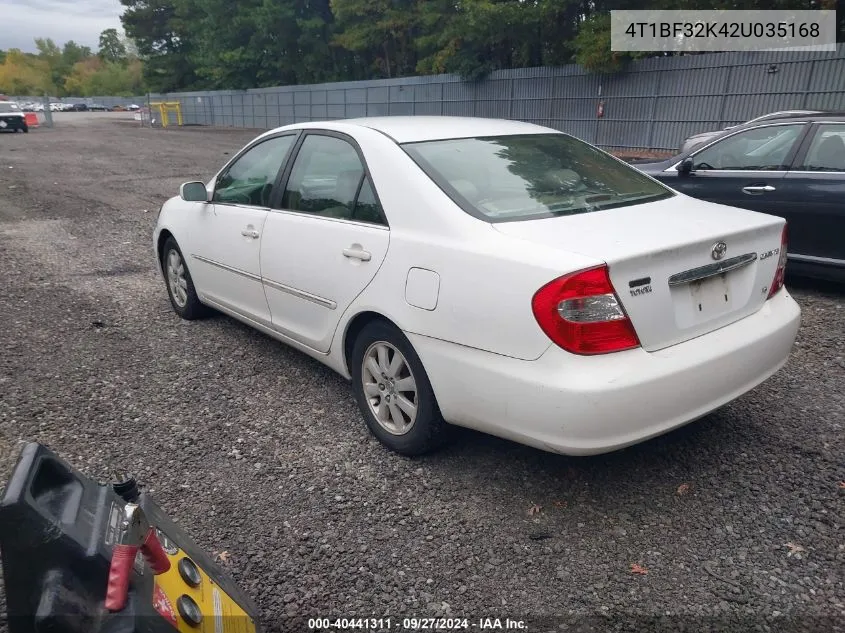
801 284
713 448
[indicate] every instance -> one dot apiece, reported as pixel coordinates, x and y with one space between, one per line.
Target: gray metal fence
654 104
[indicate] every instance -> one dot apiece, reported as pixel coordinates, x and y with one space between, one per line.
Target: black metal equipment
84 557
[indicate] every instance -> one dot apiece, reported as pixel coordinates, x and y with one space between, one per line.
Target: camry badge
718 251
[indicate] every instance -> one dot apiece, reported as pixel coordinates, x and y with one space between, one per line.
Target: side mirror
193 192
685 168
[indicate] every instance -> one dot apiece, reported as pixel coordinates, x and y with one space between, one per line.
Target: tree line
219 44
176 45
74 70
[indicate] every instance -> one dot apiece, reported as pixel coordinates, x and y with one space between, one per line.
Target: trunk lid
661 262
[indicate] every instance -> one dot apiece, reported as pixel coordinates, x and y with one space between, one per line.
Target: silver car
700 139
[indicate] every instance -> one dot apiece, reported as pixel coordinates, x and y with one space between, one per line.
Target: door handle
250 233
757 189
357 253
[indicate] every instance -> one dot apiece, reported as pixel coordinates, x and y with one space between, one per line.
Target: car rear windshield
8 107
531 176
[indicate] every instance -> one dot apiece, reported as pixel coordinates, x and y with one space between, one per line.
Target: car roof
815 115
780 119
411 129
784 113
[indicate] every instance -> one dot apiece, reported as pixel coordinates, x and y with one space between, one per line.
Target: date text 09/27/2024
415 624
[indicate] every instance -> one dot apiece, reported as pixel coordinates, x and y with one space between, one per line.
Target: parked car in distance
697 140
133 106
12 118
97 107
79 107
792 167
492 274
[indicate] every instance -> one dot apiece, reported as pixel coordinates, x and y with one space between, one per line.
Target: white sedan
491 274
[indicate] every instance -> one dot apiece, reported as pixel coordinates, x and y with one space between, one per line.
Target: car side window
328 179
367 208
761 148
827 151
251 178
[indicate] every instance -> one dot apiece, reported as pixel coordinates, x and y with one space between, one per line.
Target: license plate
710 296
2 124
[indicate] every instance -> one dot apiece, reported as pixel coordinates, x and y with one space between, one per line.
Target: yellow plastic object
164 109
220 614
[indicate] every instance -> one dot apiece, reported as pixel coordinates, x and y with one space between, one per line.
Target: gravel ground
260 451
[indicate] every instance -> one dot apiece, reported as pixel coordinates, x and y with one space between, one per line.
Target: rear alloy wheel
180 287
393 391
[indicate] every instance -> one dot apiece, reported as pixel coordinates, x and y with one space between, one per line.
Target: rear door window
827 150
328 179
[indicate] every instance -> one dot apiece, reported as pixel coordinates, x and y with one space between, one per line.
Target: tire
427 430
25 129
185 302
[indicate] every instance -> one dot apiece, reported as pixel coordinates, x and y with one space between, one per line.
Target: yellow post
178 106
164 108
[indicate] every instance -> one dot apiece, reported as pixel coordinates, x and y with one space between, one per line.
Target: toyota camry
484 273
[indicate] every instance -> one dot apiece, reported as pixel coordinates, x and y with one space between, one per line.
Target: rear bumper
581 405
13 123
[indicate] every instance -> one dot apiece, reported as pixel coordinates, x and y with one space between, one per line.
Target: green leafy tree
221 44
24 74
112 48
73 53
51 55
382 31
162 33
94 76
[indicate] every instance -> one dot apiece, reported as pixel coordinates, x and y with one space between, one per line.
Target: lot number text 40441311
415 624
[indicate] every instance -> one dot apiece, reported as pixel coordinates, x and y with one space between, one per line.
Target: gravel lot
260 451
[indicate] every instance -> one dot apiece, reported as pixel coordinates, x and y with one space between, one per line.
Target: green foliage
382 30
112 49
162 32
24 74
592 45
72 70
222 44
95 77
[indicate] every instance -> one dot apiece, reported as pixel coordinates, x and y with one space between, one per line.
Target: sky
79 20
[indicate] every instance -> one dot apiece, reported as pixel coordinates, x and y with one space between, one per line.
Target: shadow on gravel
695 447
703 445
831 289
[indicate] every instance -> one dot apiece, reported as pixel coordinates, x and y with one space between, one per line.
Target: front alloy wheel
180 287
176 278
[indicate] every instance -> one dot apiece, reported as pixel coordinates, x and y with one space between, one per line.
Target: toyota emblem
718 251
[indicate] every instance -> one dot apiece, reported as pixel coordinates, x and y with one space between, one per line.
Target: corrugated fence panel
655 103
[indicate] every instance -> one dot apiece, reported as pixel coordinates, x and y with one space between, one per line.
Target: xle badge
640 286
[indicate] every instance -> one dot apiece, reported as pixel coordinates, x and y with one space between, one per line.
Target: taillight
582 314
780 273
